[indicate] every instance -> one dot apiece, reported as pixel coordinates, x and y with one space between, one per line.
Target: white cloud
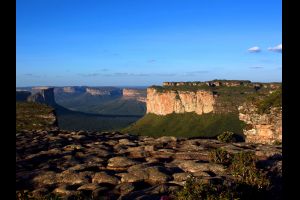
254 49
278 48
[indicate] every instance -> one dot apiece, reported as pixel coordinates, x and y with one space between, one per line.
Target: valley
92 108
221 139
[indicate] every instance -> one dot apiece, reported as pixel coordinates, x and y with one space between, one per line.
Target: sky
146 42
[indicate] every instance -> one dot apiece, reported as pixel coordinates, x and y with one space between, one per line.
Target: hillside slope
101 104
186 125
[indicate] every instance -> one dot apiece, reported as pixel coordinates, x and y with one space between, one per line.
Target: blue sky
146 42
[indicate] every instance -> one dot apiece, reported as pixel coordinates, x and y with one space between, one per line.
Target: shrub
226 136
243 168
220 156
248 182
26 195
195 188
272 100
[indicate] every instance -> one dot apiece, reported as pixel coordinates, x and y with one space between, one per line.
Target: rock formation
69 89
228 83
263 128
34 116
139 95
218 96
97 92
121 166
163 103
45 96
103 91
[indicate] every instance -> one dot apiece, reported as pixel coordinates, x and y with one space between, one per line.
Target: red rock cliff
163 103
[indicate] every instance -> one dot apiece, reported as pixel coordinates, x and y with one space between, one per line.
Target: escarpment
139 95
217 96
35 116
44 96
263 117
163 103
103 91
265 128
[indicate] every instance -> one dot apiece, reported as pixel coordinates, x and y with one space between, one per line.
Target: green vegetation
249 182
243 167
227 137
119 107
114 104
186 125
272 100
32 116
93 122
220 156
181 88
195 188
75 120
25 195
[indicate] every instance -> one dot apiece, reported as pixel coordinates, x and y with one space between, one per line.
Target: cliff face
179 102
44 96
69 89
228 83
33 116
262 128
139 95
97 92
103 91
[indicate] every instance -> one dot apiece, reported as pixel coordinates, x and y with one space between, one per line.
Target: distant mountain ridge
78 120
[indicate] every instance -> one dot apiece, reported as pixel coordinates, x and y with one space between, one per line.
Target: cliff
139 95
69 89
33 116
97 92
265 128
103 91
44 96
217 96
227 83
163 103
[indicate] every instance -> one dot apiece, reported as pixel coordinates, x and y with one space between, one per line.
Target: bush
226 136
272 100
194 189
243 168
26 195
248 182
220 156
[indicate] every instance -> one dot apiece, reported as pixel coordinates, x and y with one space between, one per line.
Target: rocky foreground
112 165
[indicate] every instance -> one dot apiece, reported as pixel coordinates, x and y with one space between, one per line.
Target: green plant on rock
26 195
220 156
243 168
226 136
248 182
195 188
272 100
